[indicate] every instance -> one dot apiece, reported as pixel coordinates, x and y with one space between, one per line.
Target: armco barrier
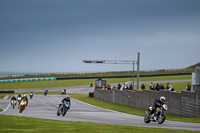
27 79
182 103
130 76
7 91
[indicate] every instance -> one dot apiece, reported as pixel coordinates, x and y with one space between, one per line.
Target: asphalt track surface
45 107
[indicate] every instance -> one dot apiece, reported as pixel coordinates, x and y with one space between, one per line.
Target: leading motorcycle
158 116
63 108
22 105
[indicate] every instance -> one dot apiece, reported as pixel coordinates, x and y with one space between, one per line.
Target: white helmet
67 96
162 99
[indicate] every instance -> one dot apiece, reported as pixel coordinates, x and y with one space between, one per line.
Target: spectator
171 88
108 87
142 87
151 86
161 87
114 88
188 87
126 87
118 86
157 87
131 87
167 88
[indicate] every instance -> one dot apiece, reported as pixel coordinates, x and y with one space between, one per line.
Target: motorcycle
13 103
159 115
31 95
19 99
63 108
22 105
45 92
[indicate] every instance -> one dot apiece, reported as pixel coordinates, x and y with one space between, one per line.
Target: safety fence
27 79
182 103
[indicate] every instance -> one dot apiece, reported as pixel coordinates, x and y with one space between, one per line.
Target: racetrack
45 107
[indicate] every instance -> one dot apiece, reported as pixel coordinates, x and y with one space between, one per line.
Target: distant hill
193 66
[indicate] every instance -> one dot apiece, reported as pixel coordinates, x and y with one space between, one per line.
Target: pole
133 75
113 96
138 70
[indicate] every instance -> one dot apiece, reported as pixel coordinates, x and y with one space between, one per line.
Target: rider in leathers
157 104
13 98
25 97
67 99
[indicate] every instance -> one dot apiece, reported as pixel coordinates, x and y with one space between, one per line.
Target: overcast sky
57 35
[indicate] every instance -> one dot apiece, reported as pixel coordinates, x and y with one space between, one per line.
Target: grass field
75 82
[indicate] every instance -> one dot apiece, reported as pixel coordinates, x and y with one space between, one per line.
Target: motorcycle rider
25 97
157 104
13 98
67 99
19 95
31 93
45 92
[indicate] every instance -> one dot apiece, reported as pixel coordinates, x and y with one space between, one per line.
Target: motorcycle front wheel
161 118
58 113
147 119
20 109
64 112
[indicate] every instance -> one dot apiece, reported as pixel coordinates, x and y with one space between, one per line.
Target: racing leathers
65 99
157 104
26 100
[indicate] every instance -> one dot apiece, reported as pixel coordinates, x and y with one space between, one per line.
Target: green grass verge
17 124
77 82
127 109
